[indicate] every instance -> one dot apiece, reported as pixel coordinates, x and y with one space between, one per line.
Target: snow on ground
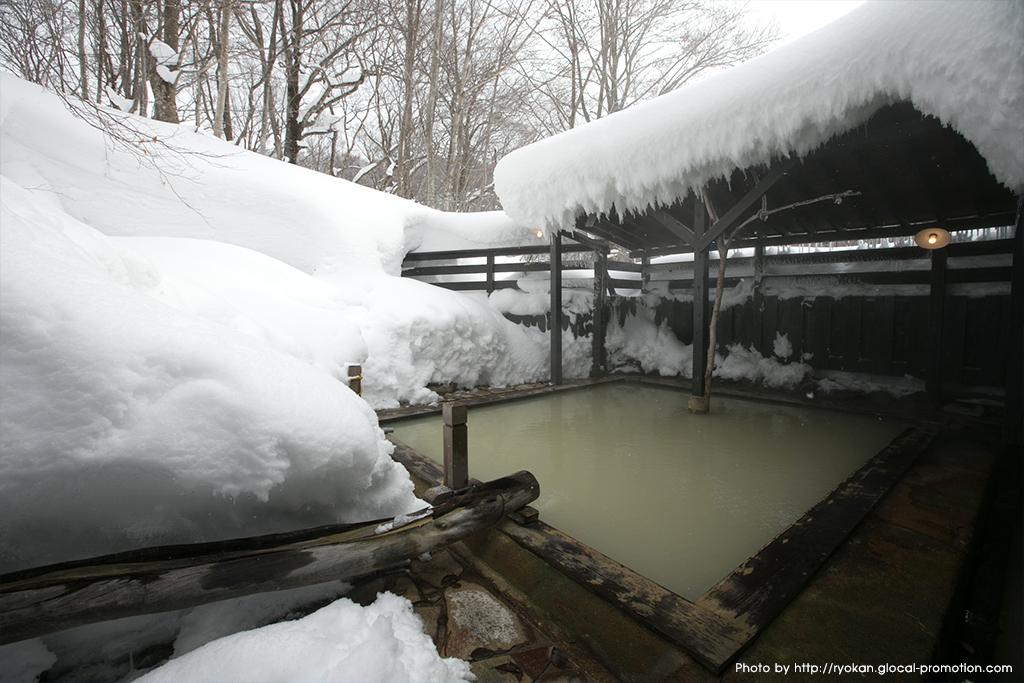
958 61
176 316
381 643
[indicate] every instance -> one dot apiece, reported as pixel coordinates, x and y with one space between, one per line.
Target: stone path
467 619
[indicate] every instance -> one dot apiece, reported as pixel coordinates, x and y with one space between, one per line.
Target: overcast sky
797 17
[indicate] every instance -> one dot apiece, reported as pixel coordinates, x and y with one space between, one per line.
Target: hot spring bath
682 499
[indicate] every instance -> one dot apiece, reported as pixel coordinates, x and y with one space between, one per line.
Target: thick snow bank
171 181
127 423
382 643
962 62
294 258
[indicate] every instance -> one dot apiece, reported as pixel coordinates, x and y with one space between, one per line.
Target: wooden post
490 273
456 445
355 378
645 273
758 331
936 306
597 368
555 315
1014 415
698 402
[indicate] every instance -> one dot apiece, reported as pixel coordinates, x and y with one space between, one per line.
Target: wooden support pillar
597 368
490 273
757 334
456 445
1014 428
698 402
555 314
936 306
645 273
355 378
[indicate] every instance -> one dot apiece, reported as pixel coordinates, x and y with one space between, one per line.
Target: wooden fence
875 311
867 311
491 269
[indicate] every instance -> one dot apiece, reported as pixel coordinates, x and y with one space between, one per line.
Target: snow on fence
490 269
870 311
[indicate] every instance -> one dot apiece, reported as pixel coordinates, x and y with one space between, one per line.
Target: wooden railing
481 269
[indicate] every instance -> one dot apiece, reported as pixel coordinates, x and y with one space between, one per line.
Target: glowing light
538 233
932 238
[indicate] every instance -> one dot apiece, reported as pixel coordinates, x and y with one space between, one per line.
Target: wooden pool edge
719 625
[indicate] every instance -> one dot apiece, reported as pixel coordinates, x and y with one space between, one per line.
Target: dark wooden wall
881 325
877 335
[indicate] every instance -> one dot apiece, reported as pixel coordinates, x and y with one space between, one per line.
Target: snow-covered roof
962 62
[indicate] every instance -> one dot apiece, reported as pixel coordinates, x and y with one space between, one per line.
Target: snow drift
128 423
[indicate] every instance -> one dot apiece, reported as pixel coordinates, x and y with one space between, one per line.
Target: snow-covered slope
166 180
176 316
962 62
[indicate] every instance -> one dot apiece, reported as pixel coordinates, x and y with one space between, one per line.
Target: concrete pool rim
719 625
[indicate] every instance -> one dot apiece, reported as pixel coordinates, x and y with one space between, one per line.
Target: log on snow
38 601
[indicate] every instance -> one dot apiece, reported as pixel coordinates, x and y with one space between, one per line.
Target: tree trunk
428 124
165 106
222 69
723 250
83 66
139 91
293 100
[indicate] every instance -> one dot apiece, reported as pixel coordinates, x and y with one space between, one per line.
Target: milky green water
682 499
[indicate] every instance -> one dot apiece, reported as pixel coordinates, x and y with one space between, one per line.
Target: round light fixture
932 238
538 233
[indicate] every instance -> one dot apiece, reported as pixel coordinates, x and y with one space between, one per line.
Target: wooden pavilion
889 159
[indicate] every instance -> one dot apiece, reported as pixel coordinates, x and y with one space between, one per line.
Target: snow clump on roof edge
962 62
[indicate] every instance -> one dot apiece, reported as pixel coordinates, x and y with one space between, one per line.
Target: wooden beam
1014 416
597 245
38 601
490 273
455 444
617 235
674 226
758 331
700 301
598 355
555 314
727 221
936 307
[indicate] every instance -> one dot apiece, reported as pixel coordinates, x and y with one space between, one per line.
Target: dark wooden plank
713 639
853 322
954 331
701 315
779 169
503 251
822 334
758 590
973 275
770 324
598 366
1013 425
885 335
555 310
787 320
837 337
47 599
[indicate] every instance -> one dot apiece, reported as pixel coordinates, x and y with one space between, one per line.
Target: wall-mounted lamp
932 238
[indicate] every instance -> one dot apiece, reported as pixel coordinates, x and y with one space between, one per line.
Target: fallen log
34 602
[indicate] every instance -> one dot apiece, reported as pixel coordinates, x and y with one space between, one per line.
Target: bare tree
615 53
